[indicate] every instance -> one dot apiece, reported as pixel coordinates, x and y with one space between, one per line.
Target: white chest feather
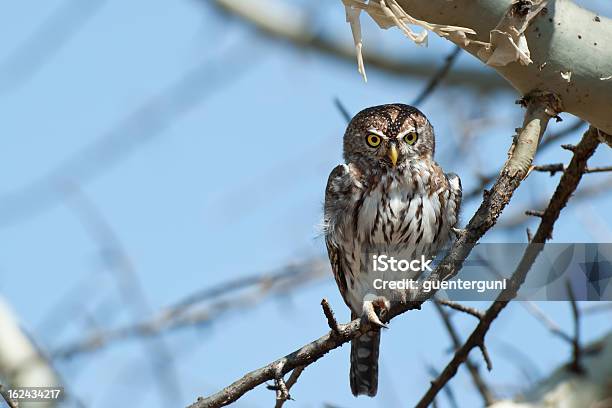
398 210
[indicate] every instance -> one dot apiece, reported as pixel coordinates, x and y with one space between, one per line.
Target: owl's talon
369 311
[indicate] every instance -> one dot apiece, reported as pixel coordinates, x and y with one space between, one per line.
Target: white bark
291 22
21 363
570 390
570 48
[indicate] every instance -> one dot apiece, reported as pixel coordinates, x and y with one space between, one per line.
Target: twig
552 168
295 374
7 398
553 327
529 235
602 169
539 111
485 180
342 109
575 365
481 386
567 185
329 314
485 355
450 395
282 393
517 218
597 308
569 147
437 78
559 167
462 308
534 213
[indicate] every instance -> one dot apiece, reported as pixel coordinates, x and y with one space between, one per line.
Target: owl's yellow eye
373 140
411 138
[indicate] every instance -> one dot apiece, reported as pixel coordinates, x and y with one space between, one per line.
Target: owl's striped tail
364 363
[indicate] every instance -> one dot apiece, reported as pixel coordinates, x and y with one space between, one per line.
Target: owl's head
388 136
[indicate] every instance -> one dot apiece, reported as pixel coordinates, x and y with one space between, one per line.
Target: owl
390 196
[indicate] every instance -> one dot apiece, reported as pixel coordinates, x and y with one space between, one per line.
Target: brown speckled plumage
387 196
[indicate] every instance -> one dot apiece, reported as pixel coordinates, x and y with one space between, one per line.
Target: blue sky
229 186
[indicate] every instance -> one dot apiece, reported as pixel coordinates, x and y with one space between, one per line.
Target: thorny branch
540 108
567 185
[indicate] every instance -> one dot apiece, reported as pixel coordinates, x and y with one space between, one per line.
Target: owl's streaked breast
397 211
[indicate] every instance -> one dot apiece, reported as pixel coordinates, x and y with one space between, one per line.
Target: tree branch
567 185
481 386
575 365
546 142
462 308
540 108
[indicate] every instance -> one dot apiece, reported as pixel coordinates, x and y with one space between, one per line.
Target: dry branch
481 386
567 185
559 167
462 308
547 142
517 218
539 111
295 374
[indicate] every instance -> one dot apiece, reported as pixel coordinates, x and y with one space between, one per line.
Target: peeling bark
570 49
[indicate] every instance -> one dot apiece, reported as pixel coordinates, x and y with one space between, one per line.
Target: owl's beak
393 154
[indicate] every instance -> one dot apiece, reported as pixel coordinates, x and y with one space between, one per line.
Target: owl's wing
337 198
456 190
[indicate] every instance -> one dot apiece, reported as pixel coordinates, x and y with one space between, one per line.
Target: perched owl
390 194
